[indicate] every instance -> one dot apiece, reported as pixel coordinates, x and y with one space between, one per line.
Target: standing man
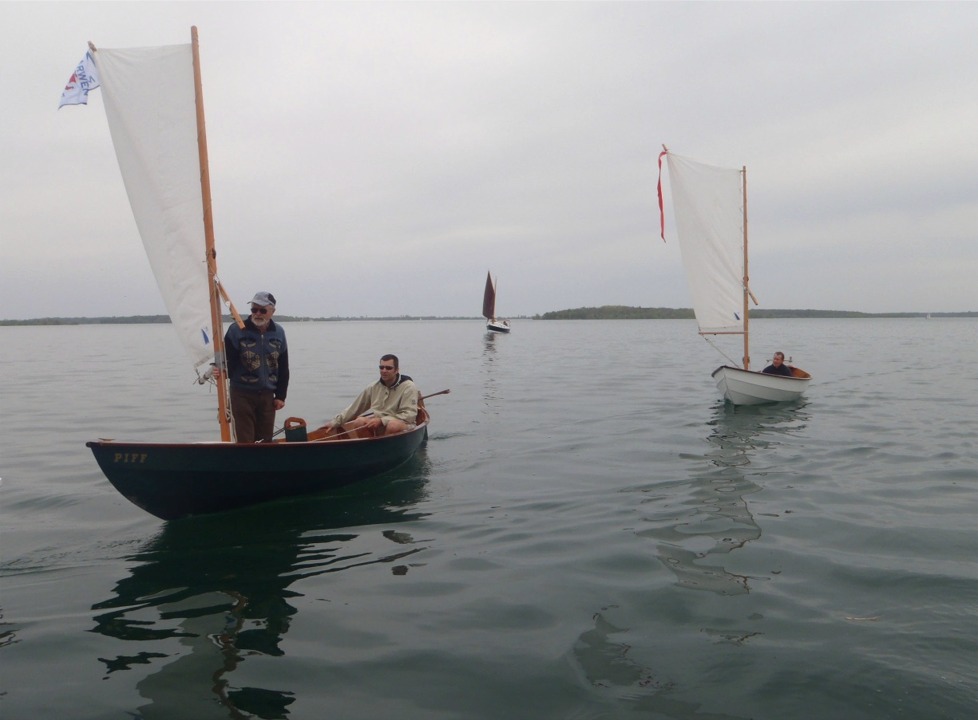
388 406
258 370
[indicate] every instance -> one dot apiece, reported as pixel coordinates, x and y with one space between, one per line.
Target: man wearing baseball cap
258 369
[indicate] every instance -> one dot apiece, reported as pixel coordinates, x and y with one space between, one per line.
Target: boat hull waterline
176 480
495 326
748 387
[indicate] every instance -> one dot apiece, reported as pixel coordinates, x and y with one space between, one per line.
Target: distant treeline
619 312
150 319
623 312
130 320
605 312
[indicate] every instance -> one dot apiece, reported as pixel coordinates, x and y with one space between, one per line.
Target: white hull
747 387
497 326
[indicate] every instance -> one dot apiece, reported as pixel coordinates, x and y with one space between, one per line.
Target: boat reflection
490 389
7 637
706 515
607 661
489 347
208 593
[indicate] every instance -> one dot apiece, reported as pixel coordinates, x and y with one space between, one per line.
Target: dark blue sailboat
160 141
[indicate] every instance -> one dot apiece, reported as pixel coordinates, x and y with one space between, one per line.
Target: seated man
388 406
777 366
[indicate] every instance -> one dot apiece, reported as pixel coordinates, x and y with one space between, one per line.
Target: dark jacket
783 370
258 360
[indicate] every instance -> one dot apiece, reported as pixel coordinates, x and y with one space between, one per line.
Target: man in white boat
388 406
257 359
777 366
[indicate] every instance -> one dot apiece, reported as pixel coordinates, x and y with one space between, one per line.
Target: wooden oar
440 392
333 437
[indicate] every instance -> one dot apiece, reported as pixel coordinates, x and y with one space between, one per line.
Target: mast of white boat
215 289
746 358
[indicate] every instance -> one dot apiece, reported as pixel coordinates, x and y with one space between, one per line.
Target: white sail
708 203
151 109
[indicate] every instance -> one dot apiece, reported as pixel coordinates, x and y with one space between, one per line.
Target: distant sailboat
710 205
493 324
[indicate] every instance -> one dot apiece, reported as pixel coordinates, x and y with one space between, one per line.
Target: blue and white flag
83 79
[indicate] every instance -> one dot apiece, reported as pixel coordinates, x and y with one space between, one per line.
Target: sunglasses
259 310
386 367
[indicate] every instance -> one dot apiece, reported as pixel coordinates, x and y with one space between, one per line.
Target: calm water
589 533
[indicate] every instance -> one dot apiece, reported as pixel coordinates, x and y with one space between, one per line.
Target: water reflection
489 388
706 516
604 657
208 593
7 637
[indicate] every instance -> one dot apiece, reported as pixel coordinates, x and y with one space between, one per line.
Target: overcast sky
375 159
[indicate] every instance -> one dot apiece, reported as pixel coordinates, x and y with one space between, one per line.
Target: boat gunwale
802 378
317 442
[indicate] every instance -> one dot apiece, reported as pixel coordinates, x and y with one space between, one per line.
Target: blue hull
177 480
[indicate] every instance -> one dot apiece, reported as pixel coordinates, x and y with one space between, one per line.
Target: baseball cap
264 299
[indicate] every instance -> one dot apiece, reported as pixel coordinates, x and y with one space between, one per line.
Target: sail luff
210 254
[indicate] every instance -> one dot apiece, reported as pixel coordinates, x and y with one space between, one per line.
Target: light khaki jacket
400 401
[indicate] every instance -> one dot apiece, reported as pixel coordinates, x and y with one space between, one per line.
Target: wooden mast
217 326
743 172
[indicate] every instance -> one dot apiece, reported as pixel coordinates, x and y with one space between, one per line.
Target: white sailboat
710 205
493 324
